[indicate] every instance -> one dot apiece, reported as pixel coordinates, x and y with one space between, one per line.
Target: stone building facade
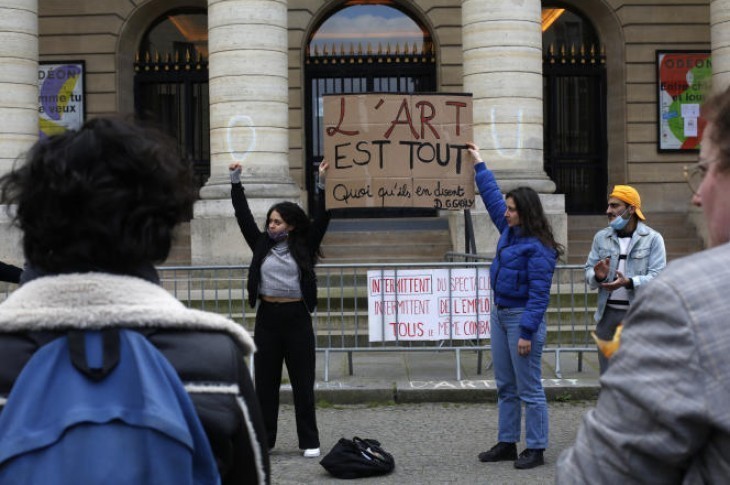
257 54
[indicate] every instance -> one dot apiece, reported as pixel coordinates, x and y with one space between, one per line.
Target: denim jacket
646 257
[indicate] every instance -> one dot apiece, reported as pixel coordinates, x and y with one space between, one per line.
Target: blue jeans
519 380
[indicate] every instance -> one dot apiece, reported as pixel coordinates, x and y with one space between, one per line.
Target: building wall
679 25
86 30
105 35
443 17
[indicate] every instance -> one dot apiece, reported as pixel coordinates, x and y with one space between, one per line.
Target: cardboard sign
429 304
398 150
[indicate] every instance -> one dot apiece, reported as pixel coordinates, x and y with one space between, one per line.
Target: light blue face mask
277 236
620 221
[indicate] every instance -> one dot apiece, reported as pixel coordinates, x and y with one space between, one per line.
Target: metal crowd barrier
341 318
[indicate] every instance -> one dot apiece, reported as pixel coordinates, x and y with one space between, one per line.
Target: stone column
503 70
248 83
502 43
18 100
720 42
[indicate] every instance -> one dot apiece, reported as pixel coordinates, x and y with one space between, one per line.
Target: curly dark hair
293 215
533 221
106 197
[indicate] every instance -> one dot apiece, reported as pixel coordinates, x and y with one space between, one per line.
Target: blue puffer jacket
522 270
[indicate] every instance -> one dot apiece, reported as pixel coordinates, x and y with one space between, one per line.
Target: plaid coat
663 415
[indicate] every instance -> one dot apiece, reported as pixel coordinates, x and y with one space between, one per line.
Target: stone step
386 240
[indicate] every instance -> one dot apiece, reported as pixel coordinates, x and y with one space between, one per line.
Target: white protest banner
428 304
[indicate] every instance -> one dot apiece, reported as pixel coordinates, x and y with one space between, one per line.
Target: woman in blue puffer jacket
521 275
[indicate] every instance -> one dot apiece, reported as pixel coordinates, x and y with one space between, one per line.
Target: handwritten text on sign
397 150
429 304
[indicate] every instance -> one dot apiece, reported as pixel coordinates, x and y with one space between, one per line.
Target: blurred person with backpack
104 376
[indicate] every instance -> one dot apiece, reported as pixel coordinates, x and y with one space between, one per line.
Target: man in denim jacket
624 256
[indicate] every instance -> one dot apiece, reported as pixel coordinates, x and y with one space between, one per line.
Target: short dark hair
533 221
716 110
106 197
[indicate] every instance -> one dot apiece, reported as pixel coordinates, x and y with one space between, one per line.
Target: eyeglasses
695 174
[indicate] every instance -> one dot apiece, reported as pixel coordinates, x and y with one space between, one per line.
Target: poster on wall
398 150
684 79
428 304
61 103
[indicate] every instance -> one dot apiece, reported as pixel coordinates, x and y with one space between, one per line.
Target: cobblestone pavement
433 443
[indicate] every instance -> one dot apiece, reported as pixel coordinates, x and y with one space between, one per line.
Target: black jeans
284 333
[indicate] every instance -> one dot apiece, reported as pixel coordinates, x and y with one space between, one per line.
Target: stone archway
130 36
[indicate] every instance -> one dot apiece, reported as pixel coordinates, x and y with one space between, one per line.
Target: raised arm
488 189
244 217
321 215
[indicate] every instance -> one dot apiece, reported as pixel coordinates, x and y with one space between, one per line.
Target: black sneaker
500 452
530 458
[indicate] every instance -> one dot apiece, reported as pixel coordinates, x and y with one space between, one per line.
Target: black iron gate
333 72
173 94
575 146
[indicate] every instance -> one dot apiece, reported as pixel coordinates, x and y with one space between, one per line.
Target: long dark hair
298 238
533 221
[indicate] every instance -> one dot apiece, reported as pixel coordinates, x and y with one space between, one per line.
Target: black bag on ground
357 458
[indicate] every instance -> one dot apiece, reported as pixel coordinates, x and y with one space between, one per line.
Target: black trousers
283 333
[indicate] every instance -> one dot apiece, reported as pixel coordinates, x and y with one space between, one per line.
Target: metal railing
341 320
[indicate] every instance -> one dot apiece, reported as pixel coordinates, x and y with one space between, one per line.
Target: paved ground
433 443
434 424
429 376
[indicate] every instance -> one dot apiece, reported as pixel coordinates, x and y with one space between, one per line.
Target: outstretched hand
601 268
474 152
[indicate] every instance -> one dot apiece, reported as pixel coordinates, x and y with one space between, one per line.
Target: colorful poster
60 97
684 79
428 304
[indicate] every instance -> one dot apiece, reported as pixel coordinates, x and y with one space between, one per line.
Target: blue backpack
102 407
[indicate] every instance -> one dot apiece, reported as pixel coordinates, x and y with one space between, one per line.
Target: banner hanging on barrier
428 304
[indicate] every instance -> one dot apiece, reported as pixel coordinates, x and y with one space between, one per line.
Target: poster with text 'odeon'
61 97
428 304
684 78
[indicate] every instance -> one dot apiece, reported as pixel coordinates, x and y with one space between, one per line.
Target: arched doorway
171 83
574 104
363 47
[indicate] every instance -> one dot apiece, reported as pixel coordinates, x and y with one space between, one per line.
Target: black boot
500 452
530 458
